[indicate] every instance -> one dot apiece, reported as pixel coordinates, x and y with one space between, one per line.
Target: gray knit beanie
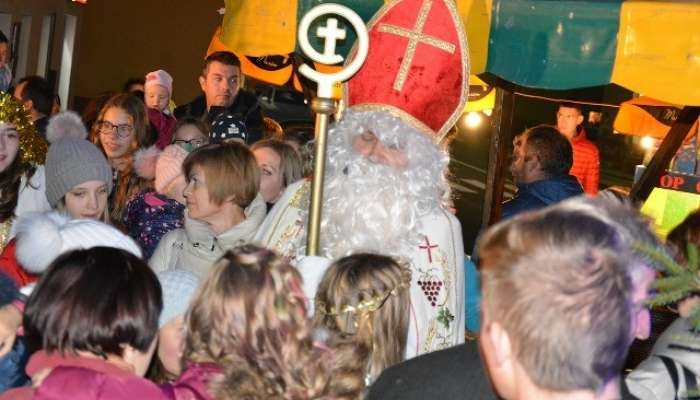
70 162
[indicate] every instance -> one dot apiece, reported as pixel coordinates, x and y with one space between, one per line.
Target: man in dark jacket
453 373
542 159
220 82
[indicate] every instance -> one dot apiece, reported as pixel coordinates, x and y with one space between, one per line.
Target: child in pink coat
158 90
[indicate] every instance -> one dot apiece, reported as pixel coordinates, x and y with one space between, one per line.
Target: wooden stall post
502 123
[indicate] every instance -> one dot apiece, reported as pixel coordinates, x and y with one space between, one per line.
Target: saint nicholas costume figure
385 182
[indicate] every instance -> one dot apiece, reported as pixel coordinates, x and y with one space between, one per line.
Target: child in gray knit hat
78 177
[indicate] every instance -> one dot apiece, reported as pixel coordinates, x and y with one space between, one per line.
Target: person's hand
10 321
686 307
38 378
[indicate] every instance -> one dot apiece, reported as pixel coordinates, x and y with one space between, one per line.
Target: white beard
370 208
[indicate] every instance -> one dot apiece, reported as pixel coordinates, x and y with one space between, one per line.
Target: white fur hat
145 162
42 237
169 167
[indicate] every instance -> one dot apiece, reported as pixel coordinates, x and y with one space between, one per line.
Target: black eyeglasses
189 145
106 128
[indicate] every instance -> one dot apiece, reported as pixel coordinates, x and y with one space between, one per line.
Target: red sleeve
592 178
9 265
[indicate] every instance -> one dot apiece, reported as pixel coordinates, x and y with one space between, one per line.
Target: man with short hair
586 165
220 81
36 94
5 71
542 158
563 291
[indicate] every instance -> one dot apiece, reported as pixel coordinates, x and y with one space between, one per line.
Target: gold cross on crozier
414 36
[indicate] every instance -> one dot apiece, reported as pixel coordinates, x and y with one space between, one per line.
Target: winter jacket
11 267
586 166
164 125
540 194
245 108
193 384
195 247
149 216
675 352
453 373
12 364
83 378
32 195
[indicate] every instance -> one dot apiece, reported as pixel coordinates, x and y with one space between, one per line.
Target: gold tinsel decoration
32 147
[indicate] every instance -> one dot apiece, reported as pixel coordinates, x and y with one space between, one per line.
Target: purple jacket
83 378
193 384
149 216
164 124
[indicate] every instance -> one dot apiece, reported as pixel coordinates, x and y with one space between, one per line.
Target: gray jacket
678 348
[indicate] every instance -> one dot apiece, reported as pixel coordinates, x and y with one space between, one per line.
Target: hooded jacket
245 107
540 194
195 247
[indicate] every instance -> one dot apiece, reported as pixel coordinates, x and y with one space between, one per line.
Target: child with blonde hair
158 89
364 299
248 336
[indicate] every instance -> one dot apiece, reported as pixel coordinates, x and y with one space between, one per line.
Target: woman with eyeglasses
120 130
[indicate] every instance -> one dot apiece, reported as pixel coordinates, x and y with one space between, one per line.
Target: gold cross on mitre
415 36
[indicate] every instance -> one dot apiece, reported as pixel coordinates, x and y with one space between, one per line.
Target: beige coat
195 247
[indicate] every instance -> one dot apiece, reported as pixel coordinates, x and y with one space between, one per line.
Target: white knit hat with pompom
42 237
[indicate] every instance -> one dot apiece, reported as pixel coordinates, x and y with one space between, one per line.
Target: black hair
132 81
95 300
224 57
568 104
39 91
553 149
197 123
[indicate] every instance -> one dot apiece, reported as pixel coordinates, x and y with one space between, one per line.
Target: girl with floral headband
364 299
248 337
22 179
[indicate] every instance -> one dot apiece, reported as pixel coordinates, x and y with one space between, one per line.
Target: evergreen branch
658 258
692 258
674 283
668 297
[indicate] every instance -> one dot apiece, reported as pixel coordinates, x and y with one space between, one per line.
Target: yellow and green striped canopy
651 47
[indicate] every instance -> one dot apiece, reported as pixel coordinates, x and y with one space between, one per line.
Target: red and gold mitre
417 67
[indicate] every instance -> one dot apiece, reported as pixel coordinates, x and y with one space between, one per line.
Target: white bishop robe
437 264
